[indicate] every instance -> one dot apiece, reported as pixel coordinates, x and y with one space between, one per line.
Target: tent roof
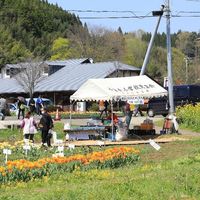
118 89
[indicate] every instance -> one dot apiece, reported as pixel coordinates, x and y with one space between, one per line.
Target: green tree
33 25
61 49
135 50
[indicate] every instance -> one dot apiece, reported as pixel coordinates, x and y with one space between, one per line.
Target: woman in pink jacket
29 127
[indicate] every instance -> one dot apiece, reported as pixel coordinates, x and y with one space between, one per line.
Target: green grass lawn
171 173
17 134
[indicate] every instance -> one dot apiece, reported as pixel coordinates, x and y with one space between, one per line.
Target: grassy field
171 173
17 134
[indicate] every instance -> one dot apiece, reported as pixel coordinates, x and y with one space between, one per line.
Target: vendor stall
145 128
85 132
115 89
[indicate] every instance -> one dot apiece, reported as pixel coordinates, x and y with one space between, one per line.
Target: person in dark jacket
128 114
39 105
3 105
46 124
21 108
32 106
105 109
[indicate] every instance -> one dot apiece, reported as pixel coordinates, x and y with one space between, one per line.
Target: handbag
40 125
50 133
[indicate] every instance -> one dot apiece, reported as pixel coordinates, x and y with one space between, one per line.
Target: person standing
2 108
103 107
128 114
112 116
29 127
21 108
32 105
46 124
39 105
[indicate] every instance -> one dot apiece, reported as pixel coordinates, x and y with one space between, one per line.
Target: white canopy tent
123 88
115 89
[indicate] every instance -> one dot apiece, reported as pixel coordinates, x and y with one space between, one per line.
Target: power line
186 16
140 17
112 11
177 14
188 12
133 13
121 17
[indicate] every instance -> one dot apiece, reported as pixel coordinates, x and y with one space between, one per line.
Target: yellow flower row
4 145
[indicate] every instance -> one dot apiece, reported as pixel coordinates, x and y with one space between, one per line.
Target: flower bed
80 115
189 116
24 170
66 114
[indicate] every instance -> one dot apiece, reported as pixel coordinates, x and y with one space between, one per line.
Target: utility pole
169 61
186 69
146 59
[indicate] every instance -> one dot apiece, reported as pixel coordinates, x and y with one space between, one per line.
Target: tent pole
112 120
54 98
70 113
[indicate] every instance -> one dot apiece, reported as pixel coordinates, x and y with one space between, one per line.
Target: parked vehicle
12 109
3 108
183 94
46 102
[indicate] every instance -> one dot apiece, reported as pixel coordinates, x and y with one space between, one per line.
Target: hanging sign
136 101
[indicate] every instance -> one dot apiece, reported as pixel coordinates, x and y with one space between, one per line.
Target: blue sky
140 8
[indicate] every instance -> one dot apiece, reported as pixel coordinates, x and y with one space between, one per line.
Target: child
29 127
114 117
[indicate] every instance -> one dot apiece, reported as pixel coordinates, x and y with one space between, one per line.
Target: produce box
144 126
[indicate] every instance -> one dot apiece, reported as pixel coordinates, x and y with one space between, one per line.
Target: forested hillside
37 29
28 28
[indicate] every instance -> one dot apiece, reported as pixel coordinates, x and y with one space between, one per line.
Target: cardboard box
146 126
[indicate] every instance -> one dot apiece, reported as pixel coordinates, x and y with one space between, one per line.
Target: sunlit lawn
171 173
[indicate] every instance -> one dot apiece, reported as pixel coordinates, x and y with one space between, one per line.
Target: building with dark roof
65 77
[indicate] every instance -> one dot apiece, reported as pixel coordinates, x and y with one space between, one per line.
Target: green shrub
189 116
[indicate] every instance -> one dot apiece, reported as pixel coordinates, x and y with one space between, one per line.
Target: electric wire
175 14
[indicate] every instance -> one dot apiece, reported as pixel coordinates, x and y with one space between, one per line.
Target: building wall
123 73
62 97
4 73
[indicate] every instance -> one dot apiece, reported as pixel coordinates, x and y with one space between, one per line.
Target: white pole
70 113
169 62
6 158
112 120
146 59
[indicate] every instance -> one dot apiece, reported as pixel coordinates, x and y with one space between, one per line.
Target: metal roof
56 62
66 62
10 86
23 65
69 78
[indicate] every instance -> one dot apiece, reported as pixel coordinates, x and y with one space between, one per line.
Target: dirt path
127 142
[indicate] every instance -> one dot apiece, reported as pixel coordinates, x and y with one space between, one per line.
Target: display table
85 132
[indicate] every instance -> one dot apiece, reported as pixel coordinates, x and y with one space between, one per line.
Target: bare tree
30 74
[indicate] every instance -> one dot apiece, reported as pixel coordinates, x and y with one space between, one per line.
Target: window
8 72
